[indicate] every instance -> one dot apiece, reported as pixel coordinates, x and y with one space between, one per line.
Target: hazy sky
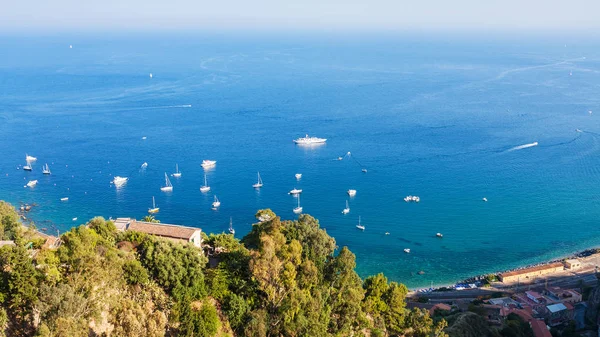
299 14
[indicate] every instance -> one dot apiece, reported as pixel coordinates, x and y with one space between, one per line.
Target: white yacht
168 186
295 191
485 199
32 183
46 169
30 158
306 140
351 192
231 230
27 167
439 235
204 188
298 209
64 199
347 209
364 170
578 130
74 219
144 165
298 176
177 174
259 183
412 198
208 163
359 226
119 181
407 250
216 203
154 209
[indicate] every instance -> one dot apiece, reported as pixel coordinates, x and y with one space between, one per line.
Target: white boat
578 130
364 170
168 186
208 163
46 169
32 183
216 203
119 181
150 75
204 188
259 183
347 209
154 209
74 219
144 138
407 250
351 192
412 198
387 233
359 226
306 140
177 174
298 176
231 230
144 165
485 199
298 209
27 167
439 235
295 191
30 158
64 199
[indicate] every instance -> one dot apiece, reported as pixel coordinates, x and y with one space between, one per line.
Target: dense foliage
283 279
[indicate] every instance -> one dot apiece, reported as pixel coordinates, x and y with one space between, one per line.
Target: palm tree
150 218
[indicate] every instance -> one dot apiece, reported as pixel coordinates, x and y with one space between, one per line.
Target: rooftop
572 261
532 269
164 230
7 243
556 307
540 329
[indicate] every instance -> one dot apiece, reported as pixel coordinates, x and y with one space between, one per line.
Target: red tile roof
540 329
164 230
532 269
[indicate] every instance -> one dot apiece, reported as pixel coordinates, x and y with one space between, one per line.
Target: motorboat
578 130
216 203
74 219
412 198
306 140
119 181
46 169
144 165
64 199
154 209
407 250
208 163
298 176
32 183
168 186
347 209
204 188
351 192
30 158
259 183
298 209
485 199
360 226
177 174
387 233
364 170
439 235
295 191
231 230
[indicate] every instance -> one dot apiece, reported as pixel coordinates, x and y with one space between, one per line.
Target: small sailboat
64 199
359 226
216 204
259 183
154 209
204 188
46 169
298 176
27 167
208 163
347 209
351 192
168 186
231 230
32 183
298 209
295 191
407 250
177 174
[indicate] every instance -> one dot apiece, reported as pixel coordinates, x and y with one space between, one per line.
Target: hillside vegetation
285 278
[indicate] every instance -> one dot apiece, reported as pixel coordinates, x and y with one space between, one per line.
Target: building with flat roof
559 313
528 274
572 264
122 223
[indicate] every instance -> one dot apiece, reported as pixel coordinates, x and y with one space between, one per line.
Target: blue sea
438 117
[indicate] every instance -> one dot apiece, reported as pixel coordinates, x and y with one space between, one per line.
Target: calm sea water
428 117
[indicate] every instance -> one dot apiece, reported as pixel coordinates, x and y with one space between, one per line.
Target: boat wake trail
521 147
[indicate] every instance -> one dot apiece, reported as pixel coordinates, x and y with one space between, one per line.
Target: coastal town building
535 297
171 232
572 264
540 329
559 313
529 274
7 243
558 294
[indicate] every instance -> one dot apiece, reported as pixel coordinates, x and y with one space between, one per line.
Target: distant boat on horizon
360 226
347 209
231 230
216 204
295 191
206 164
119 181
298 209
298 176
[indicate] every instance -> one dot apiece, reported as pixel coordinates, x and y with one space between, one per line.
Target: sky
493 15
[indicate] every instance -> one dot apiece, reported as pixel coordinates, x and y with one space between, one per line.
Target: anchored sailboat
154 209
216 203
46 169
347 209
177 174
204 188
298 209
259 183
28 166
231 230
168 186
359 226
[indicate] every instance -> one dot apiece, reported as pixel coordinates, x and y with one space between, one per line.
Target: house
559 313
540 329
170 232
572 264
122 223
439 306
561 295
529 274
535 296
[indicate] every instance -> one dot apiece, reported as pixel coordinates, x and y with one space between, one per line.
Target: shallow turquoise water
426 117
